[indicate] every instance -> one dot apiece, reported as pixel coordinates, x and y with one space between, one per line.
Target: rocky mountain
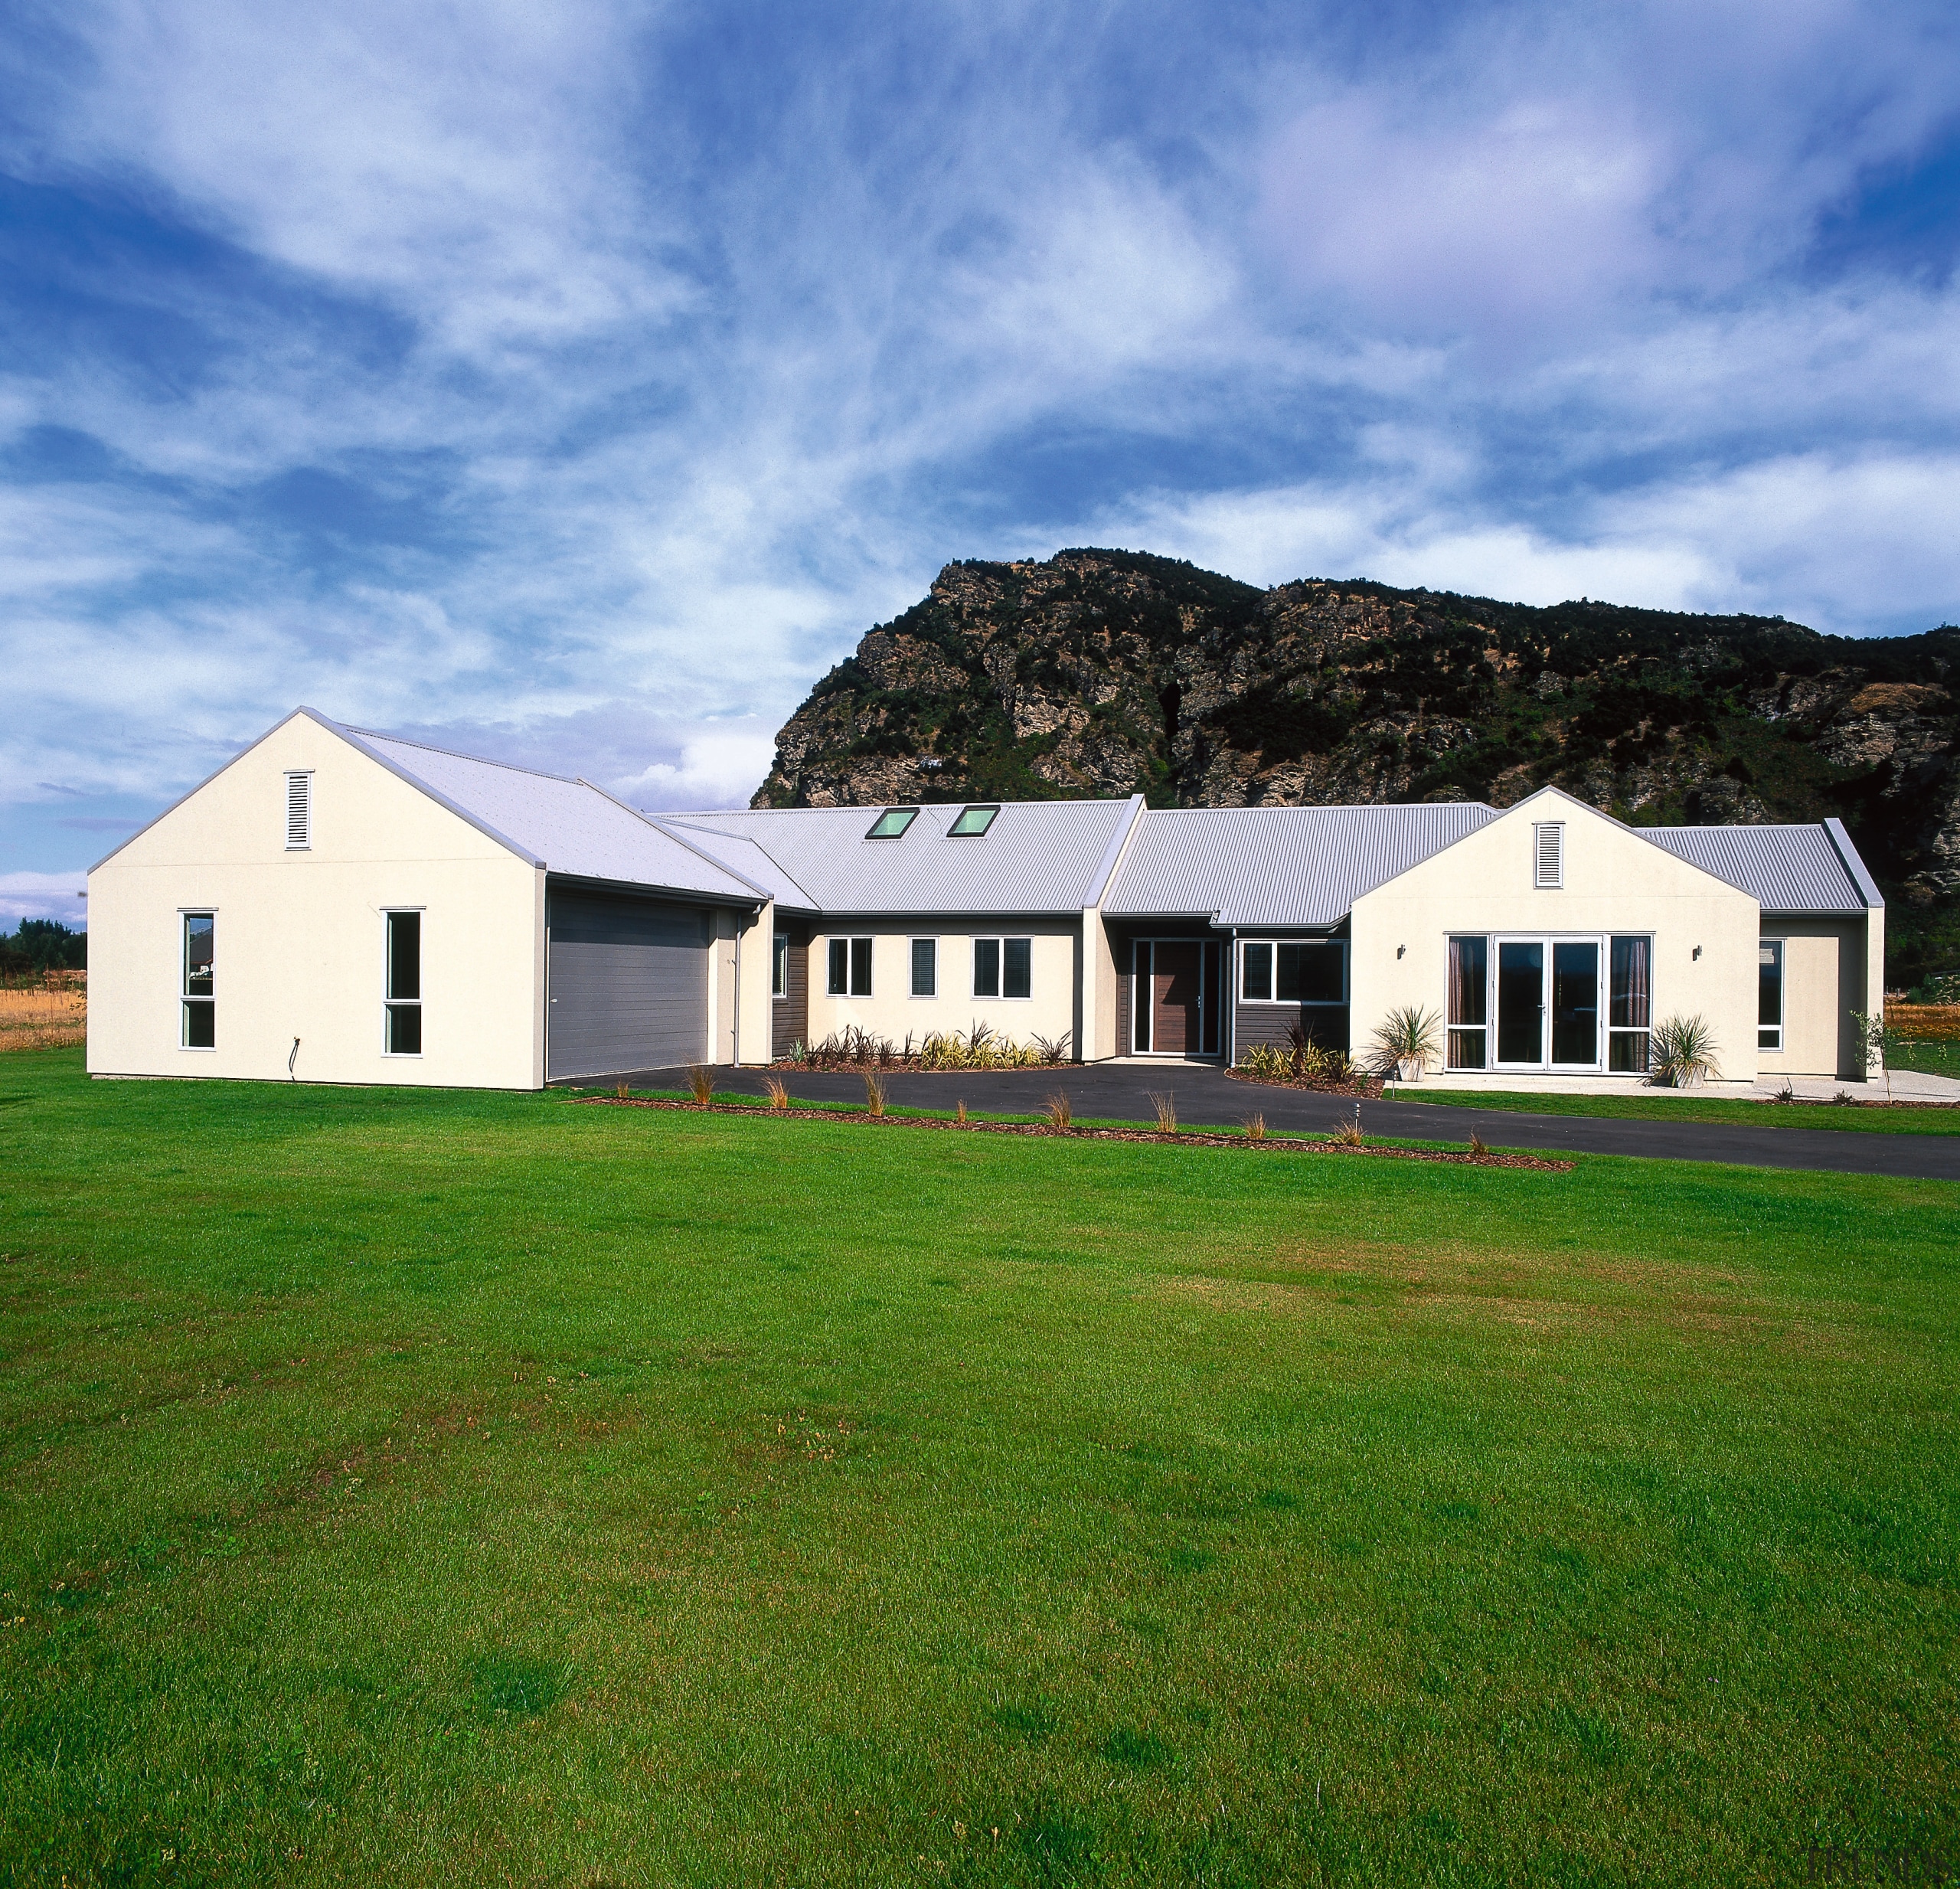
1116 672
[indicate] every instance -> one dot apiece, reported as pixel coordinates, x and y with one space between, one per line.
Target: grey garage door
627 984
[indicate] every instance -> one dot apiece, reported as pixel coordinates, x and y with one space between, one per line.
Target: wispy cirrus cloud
579 384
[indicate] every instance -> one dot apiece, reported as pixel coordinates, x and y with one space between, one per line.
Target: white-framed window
198 1021
1548 855
778 966
850 967
1288 971
1469 1012
401 1002
1004 967
1629 1004
925 967
298 810
1770 995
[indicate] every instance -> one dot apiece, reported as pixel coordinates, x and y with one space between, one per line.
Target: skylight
972 823
891 824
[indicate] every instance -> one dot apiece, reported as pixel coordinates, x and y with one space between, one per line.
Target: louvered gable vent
298 812
1548 862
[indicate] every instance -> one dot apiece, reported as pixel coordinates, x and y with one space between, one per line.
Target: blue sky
578 383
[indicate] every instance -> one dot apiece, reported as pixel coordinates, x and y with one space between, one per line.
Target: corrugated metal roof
1784 868
1038 856
1282 867
570 824
741 854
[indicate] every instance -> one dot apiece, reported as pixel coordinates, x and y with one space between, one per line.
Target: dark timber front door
1175 987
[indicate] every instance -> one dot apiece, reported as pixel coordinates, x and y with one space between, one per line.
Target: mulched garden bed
1186 1138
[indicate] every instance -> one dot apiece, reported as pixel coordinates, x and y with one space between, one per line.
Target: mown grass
1902 1119
1941 1058
463 1488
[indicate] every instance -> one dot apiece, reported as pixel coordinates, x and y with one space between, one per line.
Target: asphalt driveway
1207 1097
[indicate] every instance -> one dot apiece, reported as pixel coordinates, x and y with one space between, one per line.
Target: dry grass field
42 1019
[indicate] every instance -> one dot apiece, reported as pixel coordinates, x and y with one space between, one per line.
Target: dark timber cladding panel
1327 1024
628 985
789 1014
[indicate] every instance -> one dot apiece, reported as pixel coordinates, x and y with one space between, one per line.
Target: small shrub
777 1090
621 1090
1057 1111
1682 1052
1478 1148
1052 1049
874 1092
1409 1034
1348 1134
700 1079
1166 1106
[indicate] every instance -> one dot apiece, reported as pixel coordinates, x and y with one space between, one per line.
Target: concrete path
1207 1097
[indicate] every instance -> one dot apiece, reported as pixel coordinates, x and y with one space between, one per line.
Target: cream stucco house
338 906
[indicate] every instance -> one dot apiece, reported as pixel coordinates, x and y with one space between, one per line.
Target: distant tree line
42 944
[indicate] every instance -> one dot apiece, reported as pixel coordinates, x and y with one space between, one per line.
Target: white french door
1548 994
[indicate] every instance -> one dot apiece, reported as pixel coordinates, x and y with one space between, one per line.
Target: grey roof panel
573 828
742 854
1038 856
1784 868
1279 866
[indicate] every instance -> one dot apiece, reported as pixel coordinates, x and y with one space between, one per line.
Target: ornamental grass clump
1408 1041
777 1090
1682 1052
874 1092
1057 1111
1165 1104
700 1079
1255 1128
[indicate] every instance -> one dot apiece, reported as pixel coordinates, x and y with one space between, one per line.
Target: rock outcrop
1114 672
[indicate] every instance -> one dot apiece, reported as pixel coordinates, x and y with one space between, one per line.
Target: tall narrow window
403 1002
925 967
200 1000
1469 1002
778 966
1629 1006
1548 855
1017 967
1256 973
850 967
1770 995
299 811
986 967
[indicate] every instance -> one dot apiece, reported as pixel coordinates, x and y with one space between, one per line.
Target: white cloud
689 370
44 895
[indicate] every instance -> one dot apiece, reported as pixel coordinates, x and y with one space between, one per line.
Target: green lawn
465 1489
1939 1058
1904 1119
